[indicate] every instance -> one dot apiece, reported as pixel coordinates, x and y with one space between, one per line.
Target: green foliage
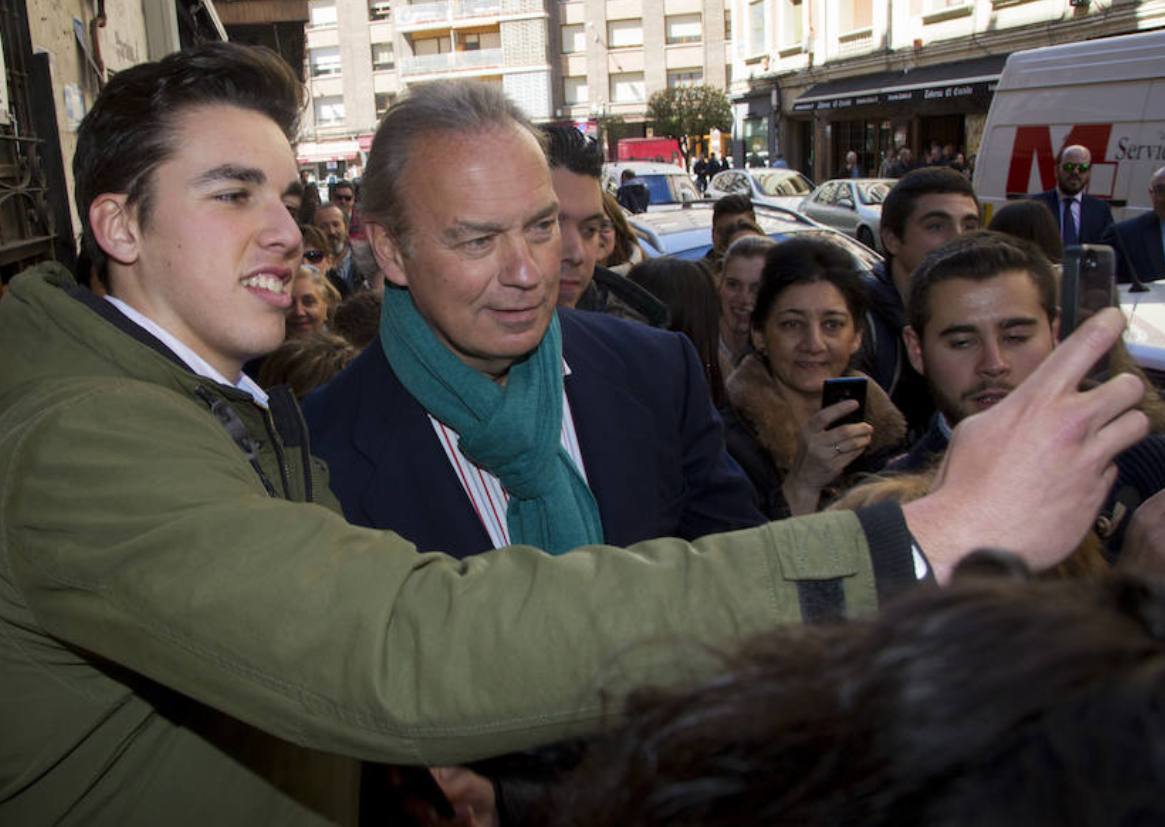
689 110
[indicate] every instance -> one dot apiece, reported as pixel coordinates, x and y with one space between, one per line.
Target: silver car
769 187
852 205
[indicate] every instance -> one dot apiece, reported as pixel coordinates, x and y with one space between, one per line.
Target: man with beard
1082 218
332 221
982 315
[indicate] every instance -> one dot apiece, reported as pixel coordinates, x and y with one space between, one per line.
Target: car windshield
775 183
874 193
670 189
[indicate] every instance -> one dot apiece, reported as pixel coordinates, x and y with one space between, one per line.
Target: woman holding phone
806 328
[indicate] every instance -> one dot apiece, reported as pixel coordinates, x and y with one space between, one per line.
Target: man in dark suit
1081 217
1140 242
412 440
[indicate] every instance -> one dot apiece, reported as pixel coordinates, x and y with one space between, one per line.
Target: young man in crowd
923 211
192 633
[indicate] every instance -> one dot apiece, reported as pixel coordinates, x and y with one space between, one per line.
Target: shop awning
962 78
317 152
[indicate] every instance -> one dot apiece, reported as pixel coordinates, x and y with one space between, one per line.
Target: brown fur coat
754 397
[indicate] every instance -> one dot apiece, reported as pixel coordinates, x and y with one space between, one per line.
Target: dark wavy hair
130 130
1031 221
807 261
996 701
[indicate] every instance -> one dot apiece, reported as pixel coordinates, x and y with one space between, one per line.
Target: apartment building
612 55
816 78
363 54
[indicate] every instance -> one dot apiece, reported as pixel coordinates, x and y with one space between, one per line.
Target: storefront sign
899 96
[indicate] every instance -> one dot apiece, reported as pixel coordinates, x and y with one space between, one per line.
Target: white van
1106 94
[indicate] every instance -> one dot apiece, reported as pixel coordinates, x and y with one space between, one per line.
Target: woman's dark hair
1032 221
130 130
625 239
808 261
690 295
995 701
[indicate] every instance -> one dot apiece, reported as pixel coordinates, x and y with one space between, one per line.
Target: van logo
1033 145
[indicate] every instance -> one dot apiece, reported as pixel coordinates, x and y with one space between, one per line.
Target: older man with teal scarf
482 416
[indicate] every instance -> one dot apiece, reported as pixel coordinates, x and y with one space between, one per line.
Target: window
756 28
728 24
322 13
574 90
685 77
855 15
476 41
574 39
325 61
382 56
939 5
756 142
383 101
432 46
683 28
791 22
379 9
628 87
624 33
329 110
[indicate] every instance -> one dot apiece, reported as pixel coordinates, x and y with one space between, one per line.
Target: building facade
814 79
363 54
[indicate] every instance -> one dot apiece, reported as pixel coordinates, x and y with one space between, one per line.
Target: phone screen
1087 286
846 387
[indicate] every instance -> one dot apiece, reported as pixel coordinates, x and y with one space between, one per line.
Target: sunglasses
1070 167
313 256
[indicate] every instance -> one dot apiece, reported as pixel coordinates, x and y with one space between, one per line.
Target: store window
628 87
683 28
622 33
756 142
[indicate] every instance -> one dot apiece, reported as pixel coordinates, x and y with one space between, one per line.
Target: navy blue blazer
1137 243
651 442
1095 215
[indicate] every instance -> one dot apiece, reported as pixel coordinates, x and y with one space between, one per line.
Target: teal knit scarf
513 431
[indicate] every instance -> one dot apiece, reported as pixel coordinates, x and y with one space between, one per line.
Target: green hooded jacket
190 633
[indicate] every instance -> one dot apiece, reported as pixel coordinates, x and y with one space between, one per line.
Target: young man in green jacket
192 634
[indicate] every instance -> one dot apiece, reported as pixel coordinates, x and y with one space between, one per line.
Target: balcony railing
447 11
451 61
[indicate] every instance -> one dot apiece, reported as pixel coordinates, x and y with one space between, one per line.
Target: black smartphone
847 387
1087 286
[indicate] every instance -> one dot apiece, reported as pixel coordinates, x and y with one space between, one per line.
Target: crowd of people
574 529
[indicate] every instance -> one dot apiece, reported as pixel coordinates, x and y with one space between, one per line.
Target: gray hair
749 246
430 109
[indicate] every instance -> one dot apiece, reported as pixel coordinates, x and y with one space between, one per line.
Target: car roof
686 231
643 168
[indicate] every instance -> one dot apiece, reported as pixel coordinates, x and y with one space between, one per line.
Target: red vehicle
665 150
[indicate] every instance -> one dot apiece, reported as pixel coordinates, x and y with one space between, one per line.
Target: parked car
852 205
686 231
772 187
667 183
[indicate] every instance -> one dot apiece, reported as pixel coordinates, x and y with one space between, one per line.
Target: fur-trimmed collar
753 393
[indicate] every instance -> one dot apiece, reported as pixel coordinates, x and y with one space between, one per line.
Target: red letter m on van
1034 143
